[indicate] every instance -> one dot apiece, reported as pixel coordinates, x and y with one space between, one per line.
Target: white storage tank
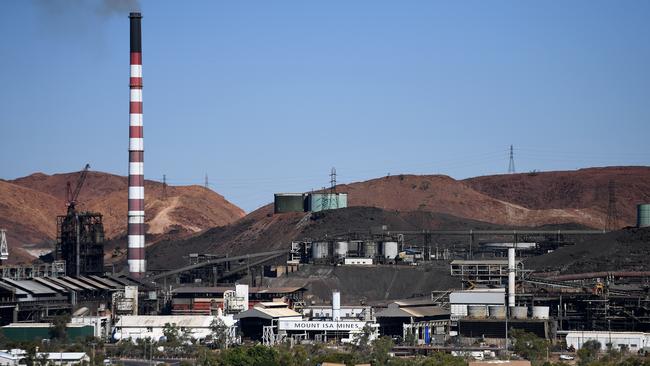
341 249
477 311
390 249
369 249
519 312
540 312
320 250
497 311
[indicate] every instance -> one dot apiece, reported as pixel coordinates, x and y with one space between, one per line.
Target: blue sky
267 96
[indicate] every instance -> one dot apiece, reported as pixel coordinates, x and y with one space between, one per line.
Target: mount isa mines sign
315 325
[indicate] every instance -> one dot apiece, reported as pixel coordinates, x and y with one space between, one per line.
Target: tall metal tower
333 181
207 184
612 211
4 248
511 165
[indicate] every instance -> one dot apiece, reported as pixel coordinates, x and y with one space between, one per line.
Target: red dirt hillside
579 189
439 193
30 205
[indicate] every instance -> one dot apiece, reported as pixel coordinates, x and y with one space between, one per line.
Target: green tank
643 215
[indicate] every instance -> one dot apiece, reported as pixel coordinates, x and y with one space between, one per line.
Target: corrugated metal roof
78 283
67 285
268 313
159 321
31 286
28 325
53 285
107 282
417 312
251 290
93 283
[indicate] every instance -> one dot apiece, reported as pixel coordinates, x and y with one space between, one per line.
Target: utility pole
511 165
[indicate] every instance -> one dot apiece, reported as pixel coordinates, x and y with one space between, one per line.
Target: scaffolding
80 243
29 271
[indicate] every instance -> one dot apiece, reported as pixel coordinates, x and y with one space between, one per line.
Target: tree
529 345
381 348
58 330
220 333
172 334
589 351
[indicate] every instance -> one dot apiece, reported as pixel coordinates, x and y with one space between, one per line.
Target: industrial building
308 202
15 357
80 236
231 300
403 312
197 327
630 341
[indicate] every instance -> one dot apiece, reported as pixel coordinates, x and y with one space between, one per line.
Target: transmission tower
164 190
333 195
207 184
511 165
612 212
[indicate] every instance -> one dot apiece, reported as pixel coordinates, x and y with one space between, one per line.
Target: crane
73 195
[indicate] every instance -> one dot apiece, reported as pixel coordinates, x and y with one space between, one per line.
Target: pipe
136 229
336 306
511 277
588 275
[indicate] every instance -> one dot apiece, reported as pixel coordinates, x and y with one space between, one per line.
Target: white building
151 326
17 357
633 341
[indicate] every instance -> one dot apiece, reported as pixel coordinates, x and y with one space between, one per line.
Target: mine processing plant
80 236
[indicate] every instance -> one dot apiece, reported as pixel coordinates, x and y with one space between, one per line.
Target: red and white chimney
136 228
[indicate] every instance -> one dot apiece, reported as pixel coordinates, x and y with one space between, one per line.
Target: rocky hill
579 197
29 206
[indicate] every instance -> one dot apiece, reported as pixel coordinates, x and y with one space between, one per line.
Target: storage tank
643 215
390 249
519 312
288 202
341 249
540 312
497 311
369 249
477 311
320 250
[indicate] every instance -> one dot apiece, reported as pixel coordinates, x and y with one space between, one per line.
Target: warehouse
632 341
197 327
27 332
205 300
253 321
392 319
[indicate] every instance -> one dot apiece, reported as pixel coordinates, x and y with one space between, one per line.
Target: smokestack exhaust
136 230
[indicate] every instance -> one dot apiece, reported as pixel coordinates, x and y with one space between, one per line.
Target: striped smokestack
136 230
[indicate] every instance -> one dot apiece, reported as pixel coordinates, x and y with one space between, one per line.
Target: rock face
29 206
537 199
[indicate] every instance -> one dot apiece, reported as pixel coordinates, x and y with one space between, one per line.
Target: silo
540 312
477 311
643 215
341 249
497 311
519 312
370 249
319 250
390 249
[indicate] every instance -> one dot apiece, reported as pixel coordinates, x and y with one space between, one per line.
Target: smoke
81 22
118 7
